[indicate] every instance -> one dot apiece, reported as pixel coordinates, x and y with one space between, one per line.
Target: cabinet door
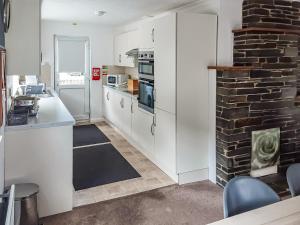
142 128
165 141
132 42
123 110
107 106
165 63
117 50
147 35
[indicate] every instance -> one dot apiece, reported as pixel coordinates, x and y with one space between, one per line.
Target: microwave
117 80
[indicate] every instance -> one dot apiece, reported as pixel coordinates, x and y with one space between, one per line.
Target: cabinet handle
120 58
107 96
154 119
152 34
154 94
152 129
122 103
131 108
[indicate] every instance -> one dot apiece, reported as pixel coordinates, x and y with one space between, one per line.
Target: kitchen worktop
124 90
52 113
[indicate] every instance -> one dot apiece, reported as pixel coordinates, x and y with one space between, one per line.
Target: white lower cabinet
154 135
117 109
123 113
143 129
107 104
165 141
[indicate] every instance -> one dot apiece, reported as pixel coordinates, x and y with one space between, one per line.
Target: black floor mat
99 165
88 135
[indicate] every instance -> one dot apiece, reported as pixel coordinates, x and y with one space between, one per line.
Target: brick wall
265 96
254 100
271 13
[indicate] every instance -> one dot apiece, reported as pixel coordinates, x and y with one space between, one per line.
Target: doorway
72 74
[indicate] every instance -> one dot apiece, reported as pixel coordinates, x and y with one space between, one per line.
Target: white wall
23 38
230 18
101 39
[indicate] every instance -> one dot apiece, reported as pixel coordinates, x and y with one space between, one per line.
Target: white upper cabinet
23 38
147 35
165 63
124 43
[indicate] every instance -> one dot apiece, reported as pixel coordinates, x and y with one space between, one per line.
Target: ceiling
118 11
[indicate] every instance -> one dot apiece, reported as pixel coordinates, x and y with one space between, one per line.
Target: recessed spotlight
100 13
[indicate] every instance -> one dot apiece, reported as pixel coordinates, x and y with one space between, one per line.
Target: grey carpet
194 204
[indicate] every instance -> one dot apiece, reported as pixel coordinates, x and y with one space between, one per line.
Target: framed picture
265 152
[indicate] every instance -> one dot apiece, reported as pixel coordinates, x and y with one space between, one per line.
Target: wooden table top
286 212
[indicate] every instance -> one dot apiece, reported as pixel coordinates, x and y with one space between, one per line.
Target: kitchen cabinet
165 141
118 50
124 43
185 44
110 104
123 113
165 63
117 109
147 35
23 40
143 129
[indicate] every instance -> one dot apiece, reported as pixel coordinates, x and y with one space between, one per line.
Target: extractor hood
133 52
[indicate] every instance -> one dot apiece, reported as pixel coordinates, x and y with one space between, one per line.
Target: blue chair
293 179
243 194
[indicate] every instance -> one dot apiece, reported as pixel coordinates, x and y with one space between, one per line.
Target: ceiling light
100 13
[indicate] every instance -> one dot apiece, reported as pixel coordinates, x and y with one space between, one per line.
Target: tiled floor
151 176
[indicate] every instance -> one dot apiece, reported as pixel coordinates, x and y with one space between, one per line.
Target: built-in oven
146 95
146 65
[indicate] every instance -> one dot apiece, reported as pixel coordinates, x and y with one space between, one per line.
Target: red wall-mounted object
96 74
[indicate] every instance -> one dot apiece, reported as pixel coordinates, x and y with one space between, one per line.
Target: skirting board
97 120
194 176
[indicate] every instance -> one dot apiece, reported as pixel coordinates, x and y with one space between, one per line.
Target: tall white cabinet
184 45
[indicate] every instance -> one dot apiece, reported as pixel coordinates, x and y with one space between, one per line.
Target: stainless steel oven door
146 95
146 69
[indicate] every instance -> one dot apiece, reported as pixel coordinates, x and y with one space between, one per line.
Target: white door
165 63
72 74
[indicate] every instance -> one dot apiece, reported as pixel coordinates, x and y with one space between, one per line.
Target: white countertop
122 90
52 113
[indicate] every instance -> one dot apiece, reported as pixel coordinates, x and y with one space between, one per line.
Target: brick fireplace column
260 91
